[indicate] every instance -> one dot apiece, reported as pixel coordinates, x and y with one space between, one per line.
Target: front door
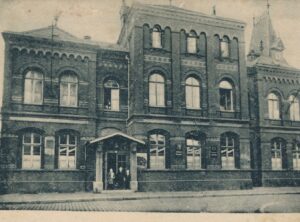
112 162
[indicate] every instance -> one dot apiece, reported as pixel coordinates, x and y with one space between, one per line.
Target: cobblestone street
284 203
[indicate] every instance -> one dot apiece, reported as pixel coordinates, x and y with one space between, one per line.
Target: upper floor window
157 143
228 146
68 90
33 87
192 42
226 96
31 151
276 150
225 47
156 37
294 108
192 93
67 151
273 106
156 90
296 156
111 95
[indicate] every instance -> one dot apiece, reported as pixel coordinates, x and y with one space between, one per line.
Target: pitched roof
265 43
117 134
61 35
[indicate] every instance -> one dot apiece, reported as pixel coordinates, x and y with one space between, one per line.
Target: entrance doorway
113 160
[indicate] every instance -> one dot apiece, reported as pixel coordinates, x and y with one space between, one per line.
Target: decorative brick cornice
193 63
160 59
284 80
227 67
110 64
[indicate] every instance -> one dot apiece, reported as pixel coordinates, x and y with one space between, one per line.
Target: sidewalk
128 195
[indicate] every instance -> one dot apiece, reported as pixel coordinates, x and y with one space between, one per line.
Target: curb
140 198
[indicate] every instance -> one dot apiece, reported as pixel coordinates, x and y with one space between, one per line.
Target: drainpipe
128 85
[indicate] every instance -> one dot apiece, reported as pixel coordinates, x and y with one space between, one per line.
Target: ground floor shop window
67 151
296 156
157 151
31 148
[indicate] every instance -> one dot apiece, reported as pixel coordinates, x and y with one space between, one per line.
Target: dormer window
156 37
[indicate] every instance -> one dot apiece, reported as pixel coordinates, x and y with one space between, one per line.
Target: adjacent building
173 102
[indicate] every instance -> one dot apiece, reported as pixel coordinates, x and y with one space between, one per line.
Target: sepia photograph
146 106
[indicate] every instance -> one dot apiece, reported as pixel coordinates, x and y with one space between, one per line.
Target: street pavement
269 203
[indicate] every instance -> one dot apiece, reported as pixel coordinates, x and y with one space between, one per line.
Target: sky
100 18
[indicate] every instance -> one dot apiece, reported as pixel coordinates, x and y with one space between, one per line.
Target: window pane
115 99
188 96
63 151
37 150
72 139
26 149
192 44
160 95
38 91
27 138
156 39
152 94
196 97
28 91
63 139
224 49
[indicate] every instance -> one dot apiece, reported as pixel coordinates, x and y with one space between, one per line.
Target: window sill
34 104
151 106
74 107
109 110
191 108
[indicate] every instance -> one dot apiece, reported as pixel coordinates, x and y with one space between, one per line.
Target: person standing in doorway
110 179
120 178
127 179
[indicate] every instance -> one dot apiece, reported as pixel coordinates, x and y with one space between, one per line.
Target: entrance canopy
116 135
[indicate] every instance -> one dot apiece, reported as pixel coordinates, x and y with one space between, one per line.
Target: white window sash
192 44
115 101
156 39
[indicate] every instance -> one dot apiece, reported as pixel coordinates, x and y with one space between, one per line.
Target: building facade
169 102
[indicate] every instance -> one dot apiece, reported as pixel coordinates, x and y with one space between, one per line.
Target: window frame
296 156
109 89
294 108
189 93
225 42
230 163
156 146
156 37
191 41
223 93
274 149
33 82
69 85
67 146
32 145
199 147
157 85
274 102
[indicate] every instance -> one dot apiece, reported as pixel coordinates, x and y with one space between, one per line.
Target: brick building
169 102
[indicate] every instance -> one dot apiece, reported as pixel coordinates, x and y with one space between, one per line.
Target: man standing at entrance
120 178
127 179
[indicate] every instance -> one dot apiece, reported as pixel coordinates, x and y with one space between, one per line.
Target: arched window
225 47
194 151
273 106
157 143
226 96
229 151
33 87
216 46
294 108
67 151
202 44
192 42
156 90
31 150
111 95
156 37
234 49
277 146
192 93
68 90
296 156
